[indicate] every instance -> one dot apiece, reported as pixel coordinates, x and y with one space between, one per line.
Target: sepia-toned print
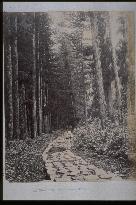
69 96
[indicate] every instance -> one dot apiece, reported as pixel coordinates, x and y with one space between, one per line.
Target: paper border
110 190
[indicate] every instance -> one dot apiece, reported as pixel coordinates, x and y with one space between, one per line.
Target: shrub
111 142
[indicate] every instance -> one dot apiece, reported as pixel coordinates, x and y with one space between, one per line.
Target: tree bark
115 66
14 52
22 114
34 122
39 82
8 90
102 101
40 101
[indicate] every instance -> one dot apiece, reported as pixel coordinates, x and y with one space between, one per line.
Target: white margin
111 190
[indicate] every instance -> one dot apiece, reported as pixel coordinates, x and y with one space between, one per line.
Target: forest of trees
63 68
69 69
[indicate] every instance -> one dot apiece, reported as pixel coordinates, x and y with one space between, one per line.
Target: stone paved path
63 165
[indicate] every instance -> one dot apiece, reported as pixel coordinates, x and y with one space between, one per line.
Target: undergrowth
23 159
105 147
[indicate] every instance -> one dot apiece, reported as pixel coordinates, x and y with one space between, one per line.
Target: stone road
62 165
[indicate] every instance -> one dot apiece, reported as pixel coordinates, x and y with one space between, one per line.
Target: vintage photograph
69 96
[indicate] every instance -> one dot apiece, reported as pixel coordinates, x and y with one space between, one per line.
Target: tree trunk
8 94
34 122
46 113
41 100
15 92
113 24
99 71
39 89
83 81
22 114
